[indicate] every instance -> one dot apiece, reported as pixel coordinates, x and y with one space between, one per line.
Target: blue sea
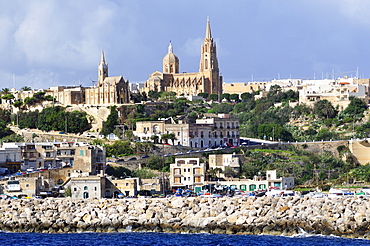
164 239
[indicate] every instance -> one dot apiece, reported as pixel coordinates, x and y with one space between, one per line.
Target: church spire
170 48
102 60
208 29
102 69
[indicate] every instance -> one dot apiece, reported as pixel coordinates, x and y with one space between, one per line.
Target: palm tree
26 88
172 136
5 91
154 138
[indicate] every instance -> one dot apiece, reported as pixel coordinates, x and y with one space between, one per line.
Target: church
207 80
109 90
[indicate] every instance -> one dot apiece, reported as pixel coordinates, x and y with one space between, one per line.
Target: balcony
198 174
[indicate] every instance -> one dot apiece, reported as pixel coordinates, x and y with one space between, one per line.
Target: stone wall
349 217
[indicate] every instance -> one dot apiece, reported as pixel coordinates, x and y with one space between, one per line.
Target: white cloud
355 10
192 46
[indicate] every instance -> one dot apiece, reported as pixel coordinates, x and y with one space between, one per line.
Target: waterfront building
10 157
187 173
257 183
220 163
207 80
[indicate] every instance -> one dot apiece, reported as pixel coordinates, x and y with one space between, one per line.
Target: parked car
178 153
144 156
168 154
190 151
132 159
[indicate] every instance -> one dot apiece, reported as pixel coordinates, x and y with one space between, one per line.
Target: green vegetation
112 120
53 118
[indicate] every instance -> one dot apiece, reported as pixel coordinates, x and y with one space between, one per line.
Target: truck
4 170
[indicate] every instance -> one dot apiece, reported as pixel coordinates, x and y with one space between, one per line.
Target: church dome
170 58
170 61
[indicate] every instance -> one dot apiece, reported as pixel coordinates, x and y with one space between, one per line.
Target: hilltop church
207 80
109 90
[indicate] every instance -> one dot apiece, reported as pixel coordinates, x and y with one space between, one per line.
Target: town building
337 91
10 157
257 183
187 173
24 186
207 80
212 130
220 162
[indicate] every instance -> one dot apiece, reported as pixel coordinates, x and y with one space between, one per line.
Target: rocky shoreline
346 217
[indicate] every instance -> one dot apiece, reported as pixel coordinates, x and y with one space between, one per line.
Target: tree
112 120
355 107
25 88
168 96
144 173
213 97
226 96
154 95
155 138
203 95
18 104
172 136
246 96
165 137
324 109
8 97
235 97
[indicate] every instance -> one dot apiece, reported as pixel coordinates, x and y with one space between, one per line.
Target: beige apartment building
220 162
187 173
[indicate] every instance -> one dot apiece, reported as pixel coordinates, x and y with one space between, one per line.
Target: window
86 188
75 189
82 152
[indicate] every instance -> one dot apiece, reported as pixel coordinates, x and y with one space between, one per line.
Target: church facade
207 80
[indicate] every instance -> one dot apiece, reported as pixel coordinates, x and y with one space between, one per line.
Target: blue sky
48 43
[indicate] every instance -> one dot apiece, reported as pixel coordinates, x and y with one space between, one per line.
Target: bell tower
102 69
209 64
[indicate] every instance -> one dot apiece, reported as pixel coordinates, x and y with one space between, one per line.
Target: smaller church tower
170 61
102 69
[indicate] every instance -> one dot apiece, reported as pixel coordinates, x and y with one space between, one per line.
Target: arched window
86 188
206 63
86 195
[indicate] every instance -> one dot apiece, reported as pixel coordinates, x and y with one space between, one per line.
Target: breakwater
347 216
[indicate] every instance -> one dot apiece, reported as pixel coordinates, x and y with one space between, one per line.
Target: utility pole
66 123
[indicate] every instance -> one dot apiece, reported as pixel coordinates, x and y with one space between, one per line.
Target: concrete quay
342 216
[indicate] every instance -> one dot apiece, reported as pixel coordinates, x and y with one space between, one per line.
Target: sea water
171 239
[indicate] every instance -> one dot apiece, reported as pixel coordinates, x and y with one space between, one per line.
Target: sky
49 43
